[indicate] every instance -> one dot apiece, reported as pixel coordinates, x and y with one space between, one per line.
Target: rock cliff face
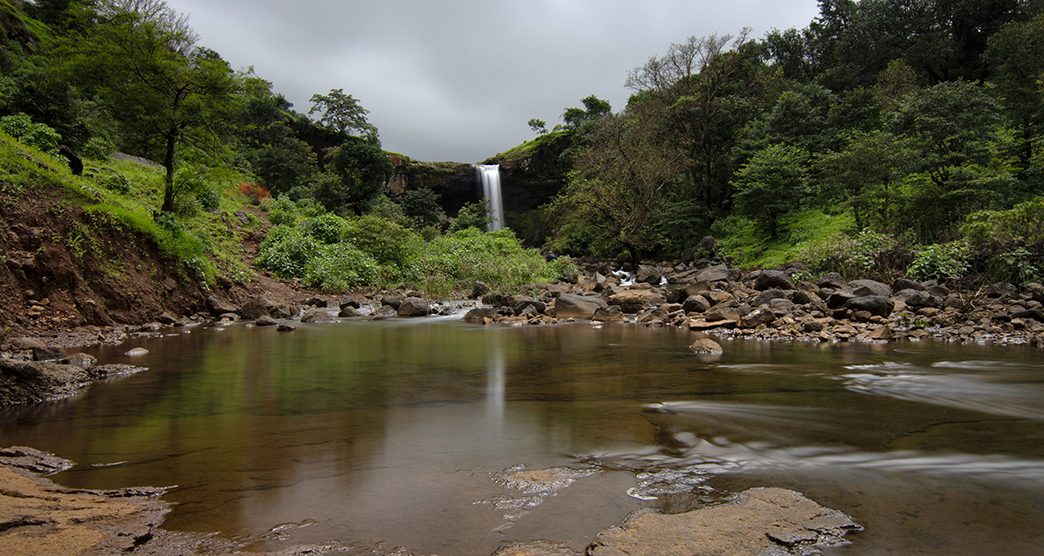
455 182
531 174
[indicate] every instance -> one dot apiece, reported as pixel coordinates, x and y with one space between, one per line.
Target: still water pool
392 433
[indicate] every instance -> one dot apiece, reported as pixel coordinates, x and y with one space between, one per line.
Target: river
395 433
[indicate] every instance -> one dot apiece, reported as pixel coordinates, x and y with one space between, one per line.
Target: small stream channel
394 432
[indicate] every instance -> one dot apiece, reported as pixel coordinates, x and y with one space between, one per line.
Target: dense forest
888 137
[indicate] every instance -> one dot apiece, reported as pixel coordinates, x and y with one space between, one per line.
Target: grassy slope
104 231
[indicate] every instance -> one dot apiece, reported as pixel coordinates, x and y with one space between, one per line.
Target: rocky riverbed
38 516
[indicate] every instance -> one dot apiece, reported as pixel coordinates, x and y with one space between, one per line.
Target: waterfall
489 174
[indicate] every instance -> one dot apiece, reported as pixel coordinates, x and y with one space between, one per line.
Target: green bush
851 257
472 215
209 198
115 182
339 268
22 128
1023 224
327 228
453 262
286 251
97 148
940 261
282 211
386 241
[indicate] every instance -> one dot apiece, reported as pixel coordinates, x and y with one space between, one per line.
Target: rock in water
413 307
316 315
706 346
757 521
137 352
577 306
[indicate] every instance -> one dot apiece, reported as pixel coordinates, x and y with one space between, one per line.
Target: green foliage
286 251
861 255
326 228
209 198
421 207
1022 224
357 172
39 136
774 182
97 148
743 242
282 211
384 240
342 113
339 268
471 215
940 261
454 262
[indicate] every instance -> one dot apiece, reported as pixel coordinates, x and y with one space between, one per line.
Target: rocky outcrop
757 521
27 382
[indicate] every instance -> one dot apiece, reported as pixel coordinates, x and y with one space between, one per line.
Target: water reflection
390 431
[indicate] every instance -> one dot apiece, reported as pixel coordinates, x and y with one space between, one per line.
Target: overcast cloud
458 80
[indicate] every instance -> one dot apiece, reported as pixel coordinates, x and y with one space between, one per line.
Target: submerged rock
137 352
706 346
757 521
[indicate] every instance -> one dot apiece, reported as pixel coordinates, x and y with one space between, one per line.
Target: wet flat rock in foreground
763 521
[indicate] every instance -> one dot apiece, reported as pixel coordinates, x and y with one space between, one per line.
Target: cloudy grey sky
459 79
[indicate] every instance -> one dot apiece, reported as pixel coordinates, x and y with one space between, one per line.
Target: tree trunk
168 181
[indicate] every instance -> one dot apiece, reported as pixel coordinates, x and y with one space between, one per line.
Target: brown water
391 434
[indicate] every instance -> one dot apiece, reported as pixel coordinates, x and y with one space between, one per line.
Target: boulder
918 298
832 281
655 315
518 303
478 315
392 301
284 327
218 306
718 273
633 301
611 313
137 352
316 302
1003 290
756 318
47 353
768 295
900 284
166 319
355 302
839 298
577 306
781 306
263 305
863 288
316 314
496 299
37 381
413 307
265 320
27 343
695 304
768 279
648 274
873 304
706 346
348 311
479 289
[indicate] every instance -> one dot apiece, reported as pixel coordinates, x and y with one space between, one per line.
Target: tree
361 168
594 108
421 207
160 87
342 113
865 175
538 125
772 183
620 185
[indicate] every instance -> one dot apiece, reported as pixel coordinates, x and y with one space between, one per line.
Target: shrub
339 268
254 191
22 128
386 241
453 262
940 261
115 182
209 198
472 215
421 206
326 228
282 211
851 257
285 251
97 148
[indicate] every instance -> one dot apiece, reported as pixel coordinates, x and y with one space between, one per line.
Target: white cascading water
489 174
